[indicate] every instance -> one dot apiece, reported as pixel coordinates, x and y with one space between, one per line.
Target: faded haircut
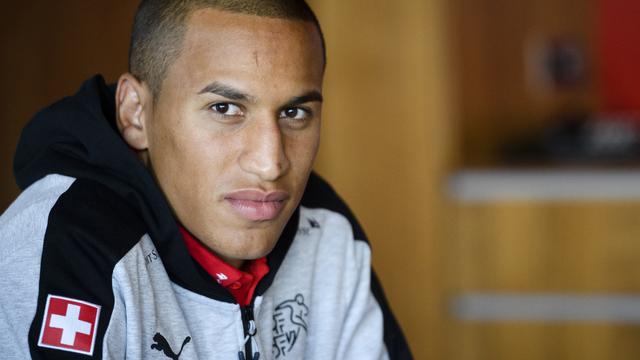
159 28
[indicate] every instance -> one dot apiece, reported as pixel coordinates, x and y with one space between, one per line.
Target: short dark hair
159 28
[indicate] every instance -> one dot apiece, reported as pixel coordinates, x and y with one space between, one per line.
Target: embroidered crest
290 319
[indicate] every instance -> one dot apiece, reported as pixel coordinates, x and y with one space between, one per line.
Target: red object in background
619 51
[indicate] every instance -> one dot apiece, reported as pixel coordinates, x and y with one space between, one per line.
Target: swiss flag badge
69 325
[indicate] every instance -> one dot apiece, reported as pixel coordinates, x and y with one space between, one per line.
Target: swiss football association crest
290 320
69 325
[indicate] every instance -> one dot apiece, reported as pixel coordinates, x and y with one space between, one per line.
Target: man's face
235 129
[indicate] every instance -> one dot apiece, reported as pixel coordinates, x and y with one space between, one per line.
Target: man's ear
133 108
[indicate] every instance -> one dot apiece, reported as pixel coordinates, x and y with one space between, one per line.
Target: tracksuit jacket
92 264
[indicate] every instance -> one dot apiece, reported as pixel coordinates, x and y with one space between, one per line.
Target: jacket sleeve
370 330
88 231
370 326
22 229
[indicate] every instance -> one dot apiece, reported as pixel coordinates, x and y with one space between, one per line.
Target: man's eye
294 113
226 109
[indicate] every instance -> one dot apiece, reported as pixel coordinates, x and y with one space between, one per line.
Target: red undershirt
241 283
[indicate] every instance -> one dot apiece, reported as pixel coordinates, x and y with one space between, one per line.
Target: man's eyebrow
310 96
225 91
234 94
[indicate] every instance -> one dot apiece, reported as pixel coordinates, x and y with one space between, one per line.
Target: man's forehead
241 43
263 58
248 37
214 20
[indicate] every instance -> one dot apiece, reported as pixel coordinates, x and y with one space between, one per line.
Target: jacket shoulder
23 224
91 214
320 195
89 230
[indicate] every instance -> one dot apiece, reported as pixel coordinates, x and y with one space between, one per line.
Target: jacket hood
78 137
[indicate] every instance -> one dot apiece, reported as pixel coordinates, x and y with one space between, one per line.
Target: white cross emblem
70 324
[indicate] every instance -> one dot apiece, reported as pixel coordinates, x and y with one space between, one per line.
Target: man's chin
246 249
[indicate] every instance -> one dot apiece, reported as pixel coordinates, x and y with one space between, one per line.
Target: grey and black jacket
92 264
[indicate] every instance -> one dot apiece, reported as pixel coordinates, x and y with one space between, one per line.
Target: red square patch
69 325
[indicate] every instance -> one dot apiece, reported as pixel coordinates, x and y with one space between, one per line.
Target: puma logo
163 345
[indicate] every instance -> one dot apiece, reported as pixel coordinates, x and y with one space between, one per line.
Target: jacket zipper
249 325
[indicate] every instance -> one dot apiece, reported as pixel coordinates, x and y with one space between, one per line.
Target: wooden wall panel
579 247
48 49
496 100
585 248
386 144
541 342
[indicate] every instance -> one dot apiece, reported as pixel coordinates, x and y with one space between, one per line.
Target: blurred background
489 147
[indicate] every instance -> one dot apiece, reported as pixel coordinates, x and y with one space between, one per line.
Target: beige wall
48 49
386 145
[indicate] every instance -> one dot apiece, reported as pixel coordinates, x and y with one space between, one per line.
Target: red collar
241 283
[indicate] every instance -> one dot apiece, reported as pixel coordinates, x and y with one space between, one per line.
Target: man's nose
264 150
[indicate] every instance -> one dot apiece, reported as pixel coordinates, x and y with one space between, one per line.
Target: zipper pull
250 331
256 356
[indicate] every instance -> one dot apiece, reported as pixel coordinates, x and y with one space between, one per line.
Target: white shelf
547 307
544 185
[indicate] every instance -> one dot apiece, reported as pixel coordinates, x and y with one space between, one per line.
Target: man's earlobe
131 111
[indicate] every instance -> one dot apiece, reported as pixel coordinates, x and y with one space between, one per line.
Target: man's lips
257 205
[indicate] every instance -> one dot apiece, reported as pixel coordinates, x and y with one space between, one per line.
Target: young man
177 216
